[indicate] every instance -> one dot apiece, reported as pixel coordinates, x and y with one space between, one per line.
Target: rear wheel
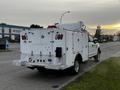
76 67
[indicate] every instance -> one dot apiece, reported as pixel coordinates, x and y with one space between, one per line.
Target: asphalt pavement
20 78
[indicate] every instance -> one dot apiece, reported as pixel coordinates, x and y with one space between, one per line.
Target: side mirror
95 40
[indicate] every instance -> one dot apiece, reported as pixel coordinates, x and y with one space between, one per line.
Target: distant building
12 32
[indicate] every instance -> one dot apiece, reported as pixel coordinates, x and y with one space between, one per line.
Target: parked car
4 44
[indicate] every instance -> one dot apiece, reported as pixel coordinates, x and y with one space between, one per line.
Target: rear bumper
37 65
42 61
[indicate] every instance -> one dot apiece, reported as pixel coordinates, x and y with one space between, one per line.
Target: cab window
90 38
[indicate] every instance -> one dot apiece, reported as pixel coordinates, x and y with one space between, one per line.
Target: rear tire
76 67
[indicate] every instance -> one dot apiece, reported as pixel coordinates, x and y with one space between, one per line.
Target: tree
98 33
35 26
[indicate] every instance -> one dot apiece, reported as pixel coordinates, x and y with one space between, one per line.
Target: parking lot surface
21 78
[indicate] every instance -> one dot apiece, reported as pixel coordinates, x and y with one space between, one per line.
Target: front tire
97 57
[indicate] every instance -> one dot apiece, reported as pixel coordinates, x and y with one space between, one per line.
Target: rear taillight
24 37
59 36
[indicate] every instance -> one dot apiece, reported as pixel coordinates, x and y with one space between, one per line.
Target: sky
46 12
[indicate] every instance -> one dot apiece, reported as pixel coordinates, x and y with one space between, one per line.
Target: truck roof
71 26
79 26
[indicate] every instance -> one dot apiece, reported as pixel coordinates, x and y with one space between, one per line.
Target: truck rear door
41 42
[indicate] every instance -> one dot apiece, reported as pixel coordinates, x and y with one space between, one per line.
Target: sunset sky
43 12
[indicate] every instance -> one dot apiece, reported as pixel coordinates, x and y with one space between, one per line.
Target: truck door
85 45
92 47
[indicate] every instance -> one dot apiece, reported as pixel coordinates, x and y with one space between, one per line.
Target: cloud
92 12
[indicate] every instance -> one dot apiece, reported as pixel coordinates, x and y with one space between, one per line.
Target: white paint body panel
42 44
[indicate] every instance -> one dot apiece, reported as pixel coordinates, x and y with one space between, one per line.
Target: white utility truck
58 47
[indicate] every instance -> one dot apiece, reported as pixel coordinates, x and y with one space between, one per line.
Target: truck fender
79 58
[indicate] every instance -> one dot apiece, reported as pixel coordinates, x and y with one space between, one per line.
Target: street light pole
63 15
